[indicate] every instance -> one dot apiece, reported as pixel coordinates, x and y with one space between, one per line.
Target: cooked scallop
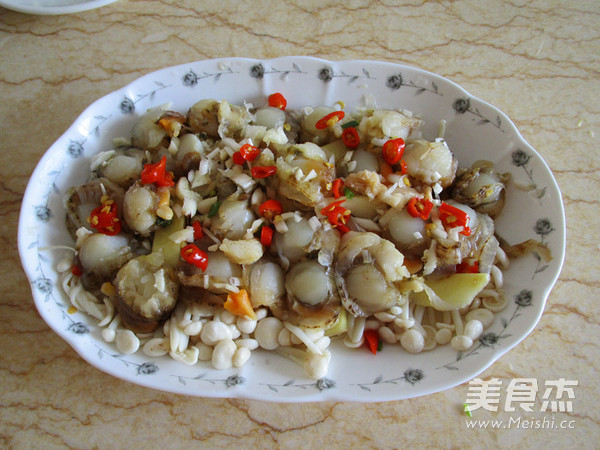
146 133
481 188
312 300
139 208
430 162
233 218
266 280
407 232
103 255
304 174
368 264
147 292
81 200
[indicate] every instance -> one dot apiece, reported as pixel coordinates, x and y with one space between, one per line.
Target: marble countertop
539 62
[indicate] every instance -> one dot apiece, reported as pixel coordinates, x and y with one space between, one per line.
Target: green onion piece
352 123
163 222
348 193
214 209
379 345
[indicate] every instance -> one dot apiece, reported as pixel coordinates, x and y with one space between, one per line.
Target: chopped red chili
333 207
403 167
277 100
350 137
419 207
198 233
193 255
104 218
343 228
393 150
336 187
263 171
249 152
467 266
372 340
157 173
337 215
238 158
453 217
76 270
270 209
266 235
329 120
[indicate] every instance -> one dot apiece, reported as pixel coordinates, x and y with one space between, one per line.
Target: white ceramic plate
475 130
53 7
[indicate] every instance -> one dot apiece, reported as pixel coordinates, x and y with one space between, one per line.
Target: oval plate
475 130
53 7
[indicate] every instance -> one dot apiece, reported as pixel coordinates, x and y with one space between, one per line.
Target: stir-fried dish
208 235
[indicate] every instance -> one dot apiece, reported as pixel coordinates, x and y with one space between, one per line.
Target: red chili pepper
372 340
336 187
343 228
193 255
337 215
468 267
393 150
156 173
76 270
270 209
350 137
403 167
329 120
266 235
198 233
333 207
105 219
277 100
249 152
238 158
338 219
452 217
263 171
419 207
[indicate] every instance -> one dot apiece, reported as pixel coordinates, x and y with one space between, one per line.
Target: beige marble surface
538 61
